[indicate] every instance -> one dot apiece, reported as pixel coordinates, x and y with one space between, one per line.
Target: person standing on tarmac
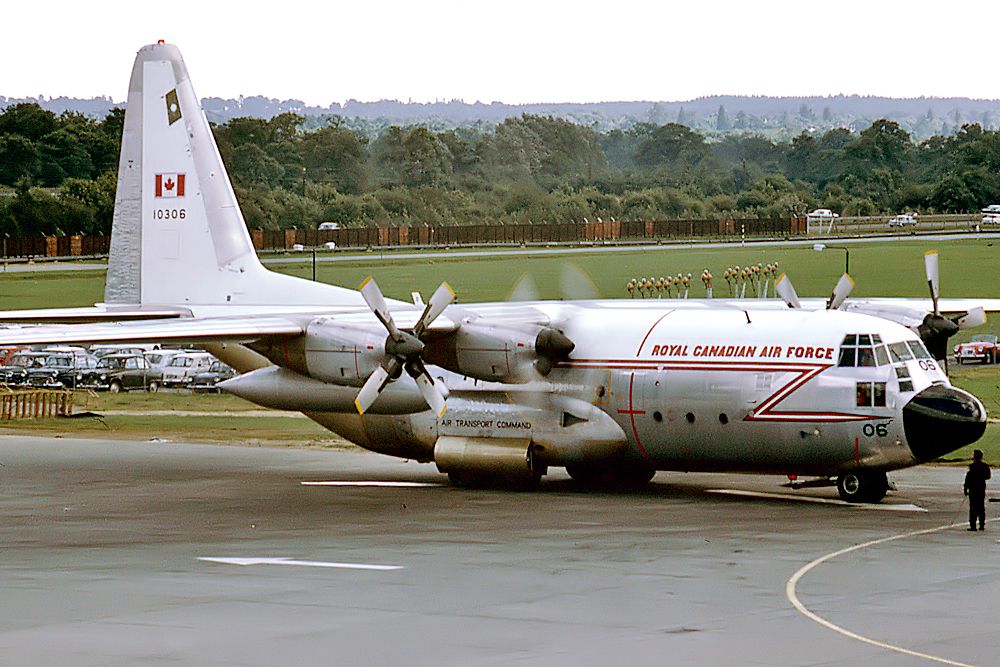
975 488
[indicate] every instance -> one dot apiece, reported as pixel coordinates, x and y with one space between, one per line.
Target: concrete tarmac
101 545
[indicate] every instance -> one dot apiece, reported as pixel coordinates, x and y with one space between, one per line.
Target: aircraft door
638 400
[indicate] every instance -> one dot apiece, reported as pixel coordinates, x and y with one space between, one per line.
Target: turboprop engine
497 353
340 354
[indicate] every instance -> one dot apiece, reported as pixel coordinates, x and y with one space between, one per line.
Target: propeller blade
974 317
524 289
575 284
440 300
786 291
373 297
428 389
840 292
371 389
931 268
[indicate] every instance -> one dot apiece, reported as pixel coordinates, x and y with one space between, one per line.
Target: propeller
403 350
936 329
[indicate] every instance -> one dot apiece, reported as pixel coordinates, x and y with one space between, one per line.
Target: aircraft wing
99 313
193 330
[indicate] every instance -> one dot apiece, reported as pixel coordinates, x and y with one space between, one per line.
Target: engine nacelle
497 353
330 351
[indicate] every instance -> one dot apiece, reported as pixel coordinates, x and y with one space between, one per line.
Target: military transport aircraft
500 392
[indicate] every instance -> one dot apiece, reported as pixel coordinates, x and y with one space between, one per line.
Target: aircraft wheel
634 478
464 480
115 387
585 474
862 487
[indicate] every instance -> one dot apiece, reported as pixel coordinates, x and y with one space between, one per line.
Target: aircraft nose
941 419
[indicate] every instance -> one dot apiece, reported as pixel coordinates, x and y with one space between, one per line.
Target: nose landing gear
862 486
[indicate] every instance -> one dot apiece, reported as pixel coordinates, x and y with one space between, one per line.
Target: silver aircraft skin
500 392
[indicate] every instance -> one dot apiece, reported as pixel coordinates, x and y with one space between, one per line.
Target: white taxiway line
405 485
801 608
885 507
300 563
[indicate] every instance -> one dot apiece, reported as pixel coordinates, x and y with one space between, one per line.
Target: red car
982 348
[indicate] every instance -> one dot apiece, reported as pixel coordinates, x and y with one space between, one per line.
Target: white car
181 369
991 215
903 220
822 215
159 359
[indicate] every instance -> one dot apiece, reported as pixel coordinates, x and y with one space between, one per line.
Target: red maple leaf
169 185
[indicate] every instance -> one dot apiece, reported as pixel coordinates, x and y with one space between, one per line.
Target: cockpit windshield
862 350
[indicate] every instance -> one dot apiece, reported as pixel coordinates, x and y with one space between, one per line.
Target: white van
181 369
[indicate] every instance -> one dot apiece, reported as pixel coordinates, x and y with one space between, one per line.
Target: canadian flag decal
170 185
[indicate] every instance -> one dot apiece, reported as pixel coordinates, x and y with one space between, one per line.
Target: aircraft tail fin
178 235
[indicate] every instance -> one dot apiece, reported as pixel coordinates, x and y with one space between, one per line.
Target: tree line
58 172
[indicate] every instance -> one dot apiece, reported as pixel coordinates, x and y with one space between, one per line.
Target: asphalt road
101 541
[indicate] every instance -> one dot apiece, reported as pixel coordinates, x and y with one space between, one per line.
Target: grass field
894 268
968 268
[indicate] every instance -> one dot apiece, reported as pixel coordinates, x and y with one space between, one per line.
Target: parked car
903 220
982 348
104 350
159 359
59 370
15 373
991 215
121 372
207 380
821 215
7 352
180 371
325 226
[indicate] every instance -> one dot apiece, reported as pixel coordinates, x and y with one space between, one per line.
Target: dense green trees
59 171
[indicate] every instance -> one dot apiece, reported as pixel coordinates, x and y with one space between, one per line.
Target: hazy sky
511 50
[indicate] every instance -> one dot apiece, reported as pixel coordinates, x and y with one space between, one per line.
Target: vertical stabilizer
178 235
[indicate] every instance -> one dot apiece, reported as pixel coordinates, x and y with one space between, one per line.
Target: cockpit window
862 350
918 349
881 356
900 352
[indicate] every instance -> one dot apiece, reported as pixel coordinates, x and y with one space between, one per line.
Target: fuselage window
870 394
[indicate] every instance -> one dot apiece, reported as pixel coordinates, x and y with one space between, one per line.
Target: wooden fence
441 235
35 404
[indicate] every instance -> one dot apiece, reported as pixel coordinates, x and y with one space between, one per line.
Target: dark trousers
977 510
